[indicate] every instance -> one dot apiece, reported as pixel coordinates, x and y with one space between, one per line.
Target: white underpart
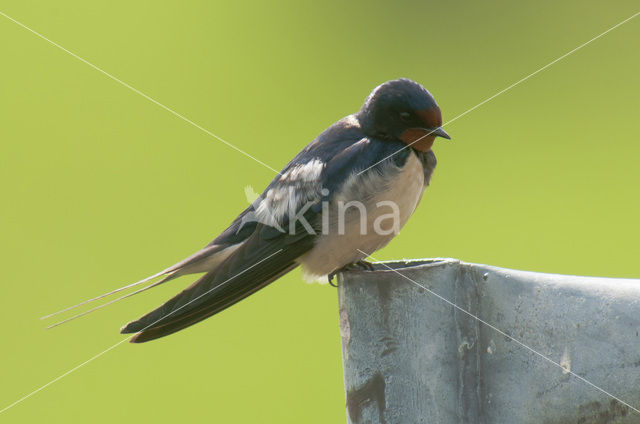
403 186
298 185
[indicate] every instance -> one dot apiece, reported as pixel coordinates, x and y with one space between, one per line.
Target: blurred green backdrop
101 187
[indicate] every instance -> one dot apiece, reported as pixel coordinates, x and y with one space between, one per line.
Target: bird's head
402 110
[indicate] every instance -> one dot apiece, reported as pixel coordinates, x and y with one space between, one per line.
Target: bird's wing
276 237
259 261
273 246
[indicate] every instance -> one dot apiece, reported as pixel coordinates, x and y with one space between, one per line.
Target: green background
101 187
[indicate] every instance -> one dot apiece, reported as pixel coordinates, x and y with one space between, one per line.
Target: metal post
411 357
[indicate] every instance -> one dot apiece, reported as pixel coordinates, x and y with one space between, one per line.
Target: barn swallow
346 193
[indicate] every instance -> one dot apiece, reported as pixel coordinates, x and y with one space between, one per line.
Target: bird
343 197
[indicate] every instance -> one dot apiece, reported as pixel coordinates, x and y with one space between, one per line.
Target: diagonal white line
504 90
135 90
126 338
503 333
62 376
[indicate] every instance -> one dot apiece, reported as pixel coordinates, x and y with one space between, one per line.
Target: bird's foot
359 265
364 265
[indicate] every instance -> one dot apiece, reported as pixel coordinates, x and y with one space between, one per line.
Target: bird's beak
439 132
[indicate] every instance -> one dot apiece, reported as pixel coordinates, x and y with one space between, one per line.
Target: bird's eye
405 116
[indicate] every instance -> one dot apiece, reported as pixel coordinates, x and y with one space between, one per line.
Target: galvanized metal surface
410 357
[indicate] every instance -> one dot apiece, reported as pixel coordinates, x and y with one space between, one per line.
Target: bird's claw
359 265
364 265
